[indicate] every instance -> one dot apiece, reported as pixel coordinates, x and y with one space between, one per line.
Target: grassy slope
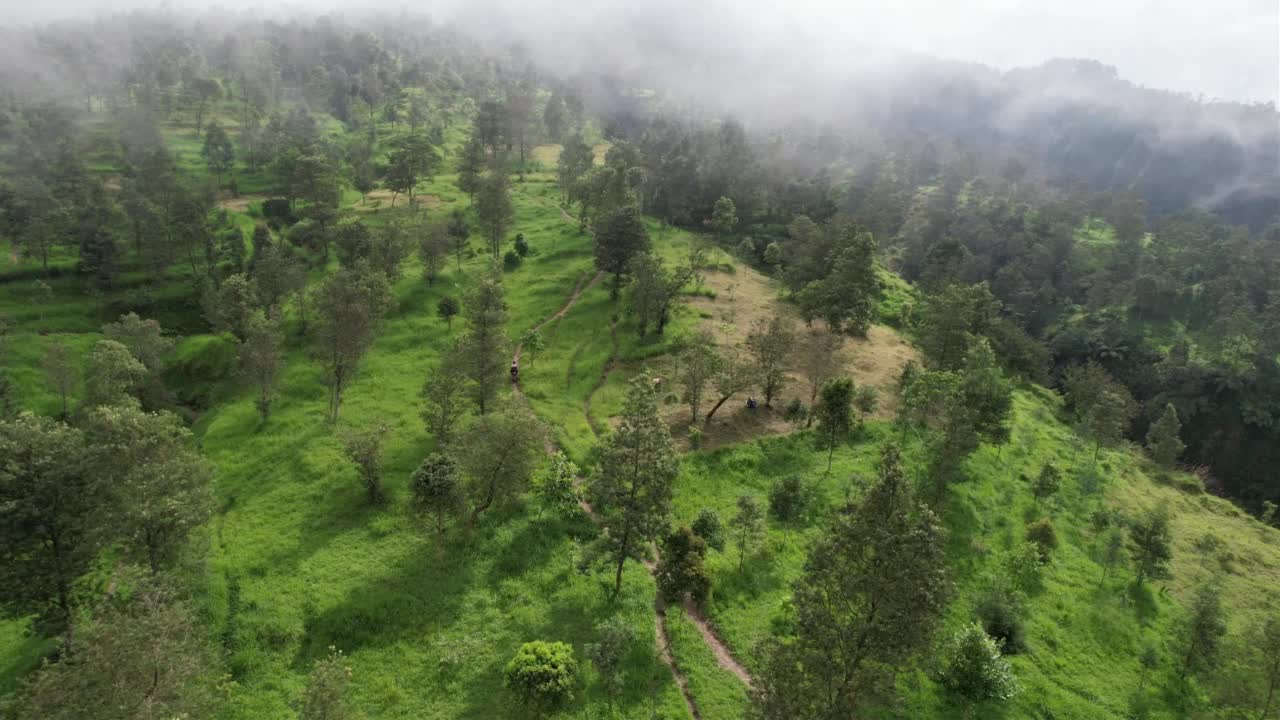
1083 639
429 628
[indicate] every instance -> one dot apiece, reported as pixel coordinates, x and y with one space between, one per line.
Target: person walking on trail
515 372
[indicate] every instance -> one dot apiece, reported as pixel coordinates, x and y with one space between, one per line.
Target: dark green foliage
872 592
327 694
511 260
770 343
621 237
1151 545
638 464
950 320
834 412
142 658
1204 630
350 306
1001 618
481 353
494 208
614 639
792 499
447 308
747 526
364 449
1047 483
521 245
1041 533
1163 438
49 508
710 528
682 568
436 485
542 675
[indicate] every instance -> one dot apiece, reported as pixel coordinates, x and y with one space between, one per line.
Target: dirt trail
724 658
604 377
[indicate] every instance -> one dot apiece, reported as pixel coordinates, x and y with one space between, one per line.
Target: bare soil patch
741 299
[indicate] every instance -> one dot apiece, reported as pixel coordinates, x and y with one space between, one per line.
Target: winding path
724 658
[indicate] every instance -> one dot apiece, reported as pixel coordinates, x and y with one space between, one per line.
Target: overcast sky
1226 49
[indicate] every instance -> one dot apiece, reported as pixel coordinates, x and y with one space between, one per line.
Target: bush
511 260
1002 619
695 437
1041 533
710 528
522 245
791 498
795 412
973 668
542 674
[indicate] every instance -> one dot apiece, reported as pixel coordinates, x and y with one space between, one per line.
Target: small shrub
1002 620
710 528
542 674
1041 533
695 437
522 245
511 260
791 498
795 412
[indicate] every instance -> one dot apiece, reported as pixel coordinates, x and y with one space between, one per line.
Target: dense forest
356 368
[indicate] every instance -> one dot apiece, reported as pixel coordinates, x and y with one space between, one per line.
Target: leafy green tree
1151 545
533 343
364 449
217 151
1164 440
433 249
834 412
143 658
554 117
494 207
1114 552
111 374
144 338
614 639
327 695
699 364
61 371
436 485
160 483
1202 634
1101 404
483 350
974 669
443 395
498 453
638 465
1266 644
471 166
447 308
576 158
747 526
1047 483
229 306
770 343
710 528
949 320
865 400
50 504
412 158
873 590
791 498
350 306
682 567
260 358
724 217
542 675
621 237
557 485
